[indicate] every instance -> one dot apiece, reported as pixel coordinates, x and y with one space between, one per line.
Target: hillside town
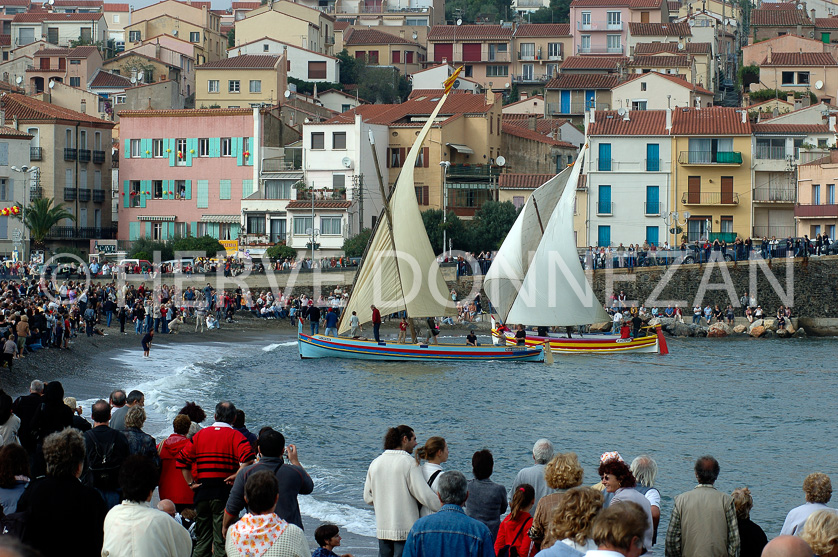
265 124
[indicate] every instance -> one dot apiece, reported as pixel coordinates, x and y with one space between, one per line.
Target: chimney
693 71
799 32
3 117
813 14
831 122
593 115
744 116
401 33
532 121
627 116
523 96
768 60
790 98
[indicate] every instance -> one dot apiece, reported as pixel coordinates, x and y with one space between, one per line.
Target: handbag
510 550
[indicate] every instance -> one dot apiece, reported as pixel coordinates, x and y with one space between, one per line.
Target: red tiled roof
319 204
593 62
372 36
110 80
246 5
244 62
826 22
543 30
709 121
47 52
53 17
754 105
679 80
523 181
535 97
637 29
6 131
415 106
583 81
544 126
16 3
469 32
640 122
640 4
779 6
790 128
599 3
663 61
525 133
674 5
117 8
28 108
779 17
434 93
82 51
79 3
200 4
800 59
657 48
341 25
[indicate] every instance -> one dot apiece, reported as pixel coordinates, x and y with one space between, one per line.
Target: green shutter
164 231
194 229
247 188
238 150
215 147
148 230
170 145
235 230
127 153
133 230
191 150
188 192
145 148
226 187
203 194
235 148
171 229
145 186
126 197
212 228
168 186
249 160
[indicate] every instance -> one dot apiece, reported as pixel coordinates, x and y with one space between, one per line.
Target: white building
303 63
338 100
16 187
628 169
58 29
657 91
434 77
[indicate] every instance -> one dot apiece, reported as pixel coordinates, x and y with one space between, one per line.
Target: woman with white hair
821 533
645 470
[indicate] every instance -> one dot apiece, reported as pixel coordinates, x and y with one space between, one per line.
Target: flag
449 83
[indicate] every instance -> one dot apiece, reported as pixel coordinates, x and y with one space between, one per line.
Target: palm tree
40 216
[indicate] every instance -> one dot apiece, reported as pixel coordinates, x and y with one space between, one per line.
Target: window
203 147
421 194
157 189
771 148
339 140
180 189
301 224
134 193
338 181
135 149
195 37
642 85
787 78
652 235
823 143
803 78
157 231
233 86
554 51
180 152
527 51
82 139
75 62
226 147
830 194
613 44
156 147
518 201
256 224
255 85
224 231
653 161
603 236
115 18
372 57
416 22
134 36
726 225
396 57
212 86
638 105
278 189
318 140
266 48
816 194
330 225
652 200
585 43
396 157
317 70
604 203
615 20
604 161
497 71
586 20
119 99
408 57
345 107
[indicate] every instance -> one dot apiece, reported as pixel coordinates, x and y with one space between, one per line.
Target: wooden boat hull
322 346
598 344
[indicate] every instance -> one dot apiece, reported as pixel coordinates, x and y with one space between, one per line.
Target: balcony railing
526 56
777 195
281 164
84 155
599 50
710 198
69 194
808 210
98 157
653 165
499 57
84 194
36 154
710 157
811 156
70 154
575 107
533 78
603 208
98 196
321 195
85 233
473 170
330 39
604 165
652 208
35 192
780 231
767 152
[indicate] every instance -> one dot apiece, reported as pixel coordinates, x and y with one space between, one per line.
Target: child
402 330
327 538
513 529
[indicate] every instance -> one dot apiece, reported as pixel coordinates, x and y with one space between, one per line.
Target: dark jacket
24 408
52 414
96 442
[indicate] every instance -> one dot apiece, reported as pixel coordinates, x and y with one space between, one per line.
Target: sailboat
536 277
399 272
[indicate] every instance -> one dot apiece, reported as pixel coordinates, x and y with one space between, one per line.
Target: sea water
763 408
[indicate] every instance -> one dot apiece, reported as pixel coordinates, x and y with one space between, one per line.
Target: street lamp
444 165
672 220
32 170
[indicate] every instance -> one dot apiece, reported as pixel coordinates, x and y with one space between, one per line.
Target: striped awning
232 219
464 149
168 218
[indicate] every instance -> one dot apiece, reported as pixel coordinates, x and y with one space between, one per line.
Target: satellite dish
174 32
287 94
819 85
415 35
51 2
456 84
307 120
51 83
19 80
347 162
133 79
506 86
621 111
459 22
501 160
680 46
800 6
691 23
686 215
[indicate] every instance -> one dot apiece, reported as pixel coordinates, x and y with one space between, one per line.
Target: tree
144 248
307 87
350 67
40 217
748 75
355 246
491 224
281 251
206 244
231 38
454 228
382 85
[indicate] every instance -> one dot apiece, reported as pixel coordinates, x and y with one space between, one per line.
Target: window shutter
238 147
389 154
126 198
145 186
425 196
215 147
401 156
170 144
127 153
191 145
225 189
148 230
425 154
133 231
187 194
249 160
171 230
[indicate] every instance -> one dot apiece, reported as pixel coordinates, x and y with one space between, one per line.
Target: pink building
185 172
601 26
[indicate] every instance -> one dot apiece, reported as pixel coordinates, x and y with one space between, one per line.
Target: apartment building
303 63
292 23
658 91
700 53
571 95
73 66
485 51
194 22
816 211
539 50
58 28
383 49
383 12
803 72
241 81
786 18
600 26
117 15
14 190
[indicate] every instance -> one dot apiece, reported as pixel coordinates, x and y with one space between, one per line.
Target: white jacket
137 530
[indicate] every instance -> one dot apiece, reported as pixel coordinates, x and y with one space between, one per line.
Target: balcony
98 157
69 194
604 165
652 208
710 198
81 233
35 192
282 164
575 108
526 56
330 39
809 211
600 50
532 78
603 208
98 196
767 152
472 171
498 57
698 158
530 4
322 195
36 154
84 194
599 26
775 195
84 155
70 154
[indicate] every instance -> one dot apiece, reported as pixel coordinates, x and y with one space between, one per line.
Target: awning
464 149
232 219
168 218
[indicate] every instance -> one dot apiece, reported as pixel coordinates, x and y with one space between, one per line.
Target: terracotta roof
53 17
186 113
414 106
197 3
583 81
319 204
536 97
469 32
436 92
544 126
117 8
599 3
800 59
640 4
28 108
657 48
6 131
130 53
779 6
543 30
246 5
339 92
663 61
674 6
79 3
522 181
82 51
341 25
372 36
826 22
679 80
640 122
297 47
637 29
790 128
110 80
525 133
244 62
709 121
593 62
778 100
16 3
779 17
51 52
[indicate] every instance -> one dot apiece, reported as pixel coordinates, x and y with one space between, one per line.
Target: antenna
287 94
621 111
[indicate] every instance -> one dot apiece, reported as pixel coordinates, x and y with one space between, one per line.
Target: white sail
555 290
399 271
511 262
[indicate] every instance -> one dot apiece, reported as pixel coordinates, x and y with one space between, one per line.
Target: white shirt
137 530
793 526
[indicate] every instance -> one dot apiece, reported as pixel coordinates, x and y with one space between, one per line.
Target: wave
355 520
272 347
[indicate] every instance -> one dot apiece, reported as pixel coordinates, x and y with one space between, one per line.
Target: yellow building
383 49
711 177
198 25
241 81
291 23
538 51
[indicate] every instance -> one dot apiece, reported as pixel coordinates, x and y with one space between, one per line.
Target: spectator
487 500
14 476
821 533
751 537
172 484
818 490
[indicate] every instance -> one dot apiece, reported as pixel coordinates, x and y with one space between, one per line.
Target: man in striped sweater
218 452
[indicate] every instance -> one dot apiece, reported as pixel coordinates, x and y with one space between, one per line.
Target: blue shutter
604 162
145 186
188 191
604 203
133 230
238 150
565 102
148 230
203 194
653 158
145 148
249 160
171 229
164 231
126 191
225 189
652 235
127 153
247 188
652 200
215 147
235 230
171 146
590 99
194 229
191 145
603 236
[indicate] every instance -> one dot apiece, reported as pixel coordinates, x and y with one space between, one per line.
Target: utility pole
361 201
